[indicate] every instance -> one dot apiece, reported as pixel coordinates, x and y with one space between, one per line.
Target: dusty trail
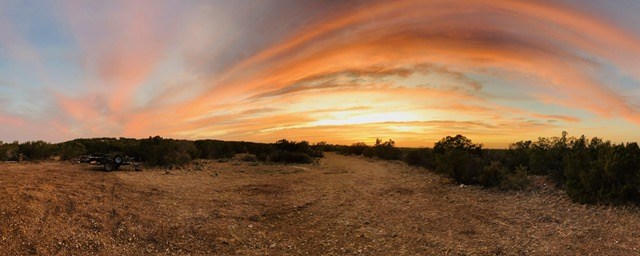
342 205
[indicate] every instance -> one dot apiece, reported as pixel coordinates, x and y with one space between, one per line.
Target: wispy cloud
376 76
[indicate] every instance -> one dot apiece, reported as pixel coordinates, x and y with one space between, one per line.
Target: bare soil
341 205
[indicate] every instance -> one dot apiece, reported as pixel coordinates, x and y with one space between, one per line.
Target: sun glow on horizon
349 119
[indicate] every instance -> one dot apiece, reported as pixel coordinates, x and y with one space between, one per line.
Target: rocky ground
341 205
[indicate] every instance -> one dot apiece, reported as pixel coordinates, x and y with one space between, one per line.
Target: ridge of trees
592 171
158 151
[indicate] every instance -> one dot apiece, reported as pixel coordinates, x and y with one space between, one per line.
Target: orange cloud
439 61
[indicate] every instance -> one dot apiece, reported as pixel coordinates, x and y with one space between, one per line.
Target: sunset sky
336 71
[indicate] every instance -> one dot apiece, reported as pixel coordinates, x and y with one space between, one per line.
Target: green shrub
495 155
420 157
387 150
71 150
515 181
460 165
291 157
548 157
459 158
37 150
162 152
601 172
9 151
383 150
214 149
497 175
323 146
519 154
459 143
369 152
301 147
357 148
492 175
262 151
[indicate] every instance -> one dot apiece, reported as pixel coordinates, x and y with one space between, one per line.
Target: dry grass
343 205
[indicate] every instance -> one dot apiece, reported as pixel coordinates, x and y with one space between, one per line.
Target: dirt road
342 205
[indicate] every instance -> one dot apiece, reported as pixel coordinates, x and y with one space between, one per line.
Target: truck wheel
117 159
109 166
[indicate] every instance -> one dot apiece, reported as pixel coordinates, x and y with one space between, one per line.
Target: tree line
158 151
591 171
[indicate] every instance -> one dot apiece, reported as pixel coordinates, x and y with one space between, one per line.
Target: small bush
496 175
9 151
387 150
492 175
358 149
383 150
324 147
291 157
516 181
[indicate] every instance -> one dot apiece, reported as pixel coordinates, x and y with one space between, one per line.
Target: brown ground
343 205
